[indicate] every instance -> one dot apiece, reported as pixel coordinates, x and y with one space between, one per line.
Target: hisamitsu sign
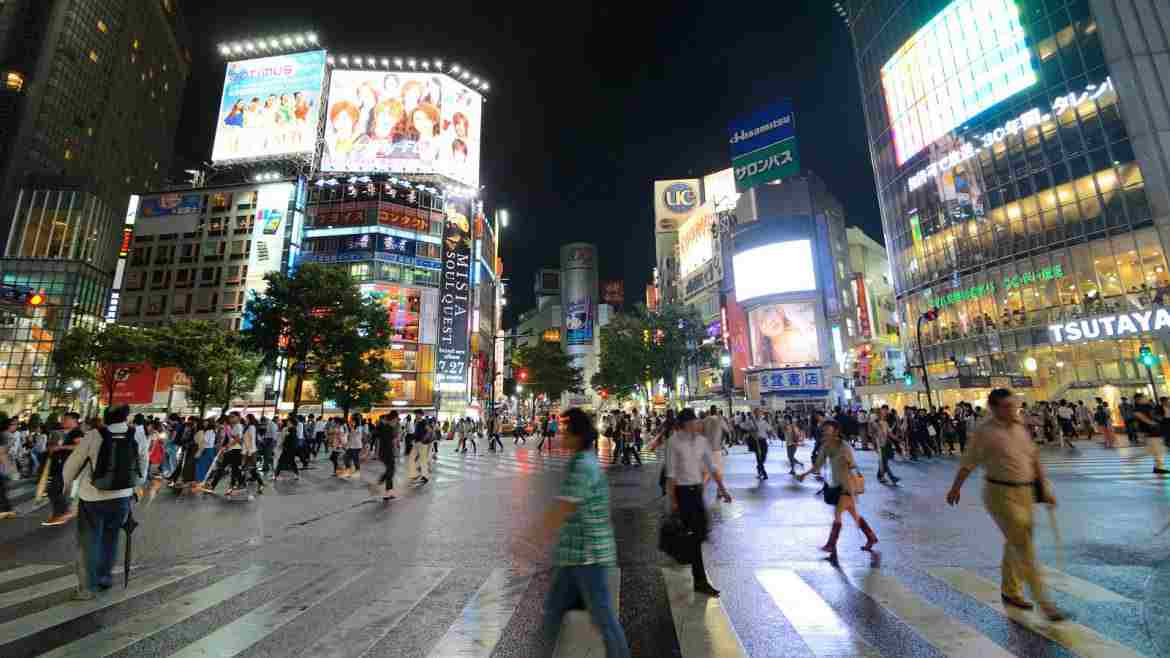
763 146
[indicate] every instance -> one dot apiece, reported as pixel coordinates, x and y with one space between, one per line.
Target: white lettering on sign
1110 326
742 135
760 166
1029 119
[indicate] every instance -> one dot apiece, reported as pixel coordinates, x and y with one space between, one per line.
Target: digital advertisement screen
784 334
696 245
454 303
270 107
969 57
579 322
381 121
773 269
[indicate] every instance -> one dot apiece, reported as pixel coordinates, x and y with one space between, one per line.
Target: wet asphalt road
325 532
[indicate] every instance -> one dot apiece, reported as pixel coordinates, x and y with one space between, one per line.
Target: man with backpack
110 464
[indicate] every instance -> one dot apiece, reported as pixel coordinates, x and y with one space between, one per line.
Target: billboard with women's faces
402 123
784 334
270 107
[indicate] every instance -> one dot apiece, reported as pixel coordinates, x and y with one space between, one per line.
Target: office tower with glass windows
89 106
1021 151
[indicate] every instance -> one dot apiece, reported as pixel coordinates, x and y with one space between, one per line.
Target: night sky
590 102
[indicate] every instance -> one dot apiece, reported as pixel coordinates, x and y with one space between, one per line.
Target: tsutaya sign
1111 326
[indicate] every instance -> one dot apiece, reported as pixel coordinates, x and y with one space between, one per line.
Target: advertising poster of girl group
380 121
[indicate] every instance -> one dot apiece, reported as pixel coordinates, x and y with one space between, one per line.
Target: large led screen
404 123
696 245
270 107
784 334
969 57
773 269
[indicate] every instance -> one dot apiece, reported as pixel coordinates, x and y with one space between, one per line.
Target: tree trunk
297 394
227 397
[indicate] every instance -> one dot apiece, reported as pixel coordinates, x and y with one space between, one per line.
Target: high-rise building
1022 153
89 103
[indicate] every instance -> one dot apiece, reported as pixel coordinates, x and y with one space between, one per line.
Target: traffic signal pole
922 356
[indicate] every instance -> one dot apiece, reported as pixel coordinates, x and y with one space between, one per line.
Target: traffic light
908 379
1147 357
522 375
931 315
603 393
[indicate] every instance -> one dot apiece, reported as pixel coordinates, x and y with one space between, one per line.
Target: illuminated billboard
696 244
270 107
784 334
774 268
969 57
404 123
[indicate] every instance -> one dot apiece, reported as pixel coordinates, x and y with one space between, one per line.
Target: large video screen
696 245
270 107
969 57
784 334
773 269
407 123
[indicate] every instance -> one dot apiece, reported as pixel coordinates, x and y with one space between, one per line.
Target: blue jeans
588 583
98 526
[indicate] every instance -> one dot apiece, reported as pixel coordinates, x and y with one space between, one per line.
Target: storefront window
1106 266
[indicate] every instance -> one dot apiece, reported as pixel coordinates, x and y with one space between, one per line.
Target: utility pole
929 316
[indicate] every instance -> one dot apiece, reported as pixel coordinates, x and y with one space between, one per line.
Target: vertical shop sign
454 303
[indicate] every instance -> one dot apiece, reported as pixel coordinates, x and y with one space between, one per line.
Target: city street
318 568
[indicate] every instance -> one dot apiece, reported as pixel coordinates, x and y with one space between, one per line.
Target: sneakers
706 588
55 520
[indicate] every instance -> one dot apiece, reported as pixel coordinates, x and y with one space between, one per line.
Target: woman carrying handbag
843 488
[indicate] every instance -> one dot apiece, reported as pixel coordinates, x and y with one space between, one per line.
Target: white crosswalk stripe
1130 465
813 600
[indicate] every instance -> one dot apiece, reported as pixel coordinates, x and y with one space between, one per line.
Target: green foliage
300 315
642 345
95 354
216 361
353 360
550 371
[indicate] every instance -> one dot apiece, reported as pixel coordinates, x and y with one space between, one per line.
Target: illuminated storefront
1018 190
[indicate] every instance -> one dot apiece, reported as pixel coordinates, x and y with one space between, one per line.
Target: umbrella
128 527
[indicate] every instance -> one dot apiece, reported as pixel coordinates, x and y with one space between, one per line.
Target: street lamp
504 218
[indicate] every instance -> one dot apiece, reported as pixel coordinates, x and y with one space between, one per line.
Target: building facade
876 357
89 104
1020 151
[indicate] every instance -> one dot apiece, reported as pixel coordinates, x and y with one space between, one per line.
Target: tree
215 360
295 316
102 354
622 368
354 361
675 340
550 371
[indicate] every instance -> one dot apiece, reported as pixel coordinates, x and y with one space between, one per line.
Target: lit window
89 131
102 26
68 154
135 44
14 81
93 56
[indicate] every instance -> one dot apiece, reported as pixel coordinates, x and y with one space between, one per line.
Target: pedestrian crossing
512 462
331 610
1128 465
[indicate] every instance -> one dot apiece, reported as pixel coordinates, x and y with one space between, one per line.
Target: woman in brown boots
839 491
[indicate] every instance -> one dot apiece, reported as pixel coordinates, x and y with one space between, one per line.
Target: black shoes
705 588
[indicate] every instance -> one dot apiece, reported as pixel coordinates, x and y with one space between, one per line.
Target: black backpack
118 466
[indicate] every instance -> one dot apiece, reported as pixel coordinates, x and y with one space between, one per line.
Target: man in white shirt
689 453
102 508
713 427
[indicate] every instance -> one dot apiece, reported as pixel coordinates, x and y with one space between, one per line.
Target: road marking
70 610
701 622
578 637
111 639
1082 589
360 631
39 590
948 635
241 634
478 629
27 571
821 629
1074 637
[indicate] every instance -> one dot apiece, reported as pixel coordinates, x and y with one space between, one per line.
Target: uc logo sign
680 198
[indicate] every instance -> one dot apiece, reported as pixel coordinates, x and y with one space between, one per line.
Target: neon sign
1029 119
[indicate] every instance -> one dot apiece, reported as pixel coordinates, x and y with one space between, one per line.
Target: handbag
675 539
856 483
832 495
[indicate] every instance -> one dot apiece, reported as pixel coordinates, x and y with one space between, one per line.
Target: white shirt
319 427
250 440
689 451
1064 413
209 439
273 430
713 427
355 438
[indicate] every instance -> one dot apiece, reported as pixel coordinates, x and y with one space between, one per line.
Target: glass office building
1019 148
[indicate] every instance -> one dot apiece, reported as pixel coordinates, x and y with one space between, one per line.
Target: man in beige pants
1003 447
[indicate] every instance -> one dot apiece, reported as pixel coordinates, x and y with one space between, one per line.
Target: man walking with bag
110 464
1015 482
